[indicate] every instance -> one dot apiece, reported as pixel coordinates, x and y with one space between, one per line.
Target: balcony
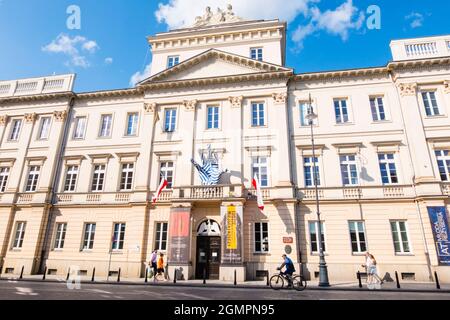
204 193
31 86
93 198
419 48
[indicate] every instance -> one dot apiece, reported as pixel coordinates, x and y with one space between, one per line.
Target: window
80 127
348 170
313 234
20 234
71 178
126 180
443 160
106 124
89 234
4 174
161 236
258 114
132 124
173 61
256 54
260 168
304 111
341 110
308 166
170 120
61 229
430 102
377 108
166 171
387 168
98 177
213 117
33 177
44 129
357 236
15 129
261 237
118 237
400 237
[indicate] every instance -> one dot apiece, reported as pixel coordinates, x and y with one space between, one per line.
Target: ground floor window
89 234
60 235
400 237
20 234
161 236
314 236
119 236
261 237
357 236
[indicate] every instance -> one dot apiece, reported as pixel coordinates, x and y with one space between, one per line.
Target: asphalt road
19 290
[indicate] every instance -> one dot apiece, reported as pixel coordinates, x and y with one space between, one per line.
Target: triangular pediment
213 63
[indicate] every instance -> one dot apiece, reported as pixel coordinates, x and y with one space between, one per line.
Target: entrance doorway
208 250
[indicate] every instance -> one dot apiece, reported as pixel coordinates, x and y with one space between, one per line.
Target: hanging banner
179 237
439 224
232 224
231 228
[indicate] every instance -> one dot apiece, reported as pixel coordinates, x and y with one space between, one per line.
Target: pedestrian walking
152 264
160 264
371 270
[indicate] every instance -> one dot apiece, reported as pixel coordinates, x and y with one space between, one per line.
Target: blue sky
111 45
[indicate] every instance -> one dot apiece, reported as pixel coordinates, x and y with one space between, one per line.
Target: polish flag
161 187
256 185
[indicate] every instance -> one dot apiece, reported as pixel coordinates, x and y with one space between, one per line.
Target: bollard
93 275
398 281
146 275
438 285
359 279
118 276
175 275
45 272
21 272
204 275
235 282
267 278
68 274
1 269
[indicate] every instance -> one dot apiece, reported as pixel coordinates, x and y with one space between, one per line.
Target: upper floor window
258 118
213 117
377 108
256 54
105 126
80 127
166 172
20 234
443 160
4 174
341 110
173 61
61 229
15 129
98 178
260 168
308 165
44 129
387 168
170 120
33 177
126 180
349 170
430 102
132 124
118 237
71 178
304 111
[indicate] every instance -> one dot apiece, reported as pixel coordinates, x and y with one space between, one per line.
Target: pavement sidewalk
312 285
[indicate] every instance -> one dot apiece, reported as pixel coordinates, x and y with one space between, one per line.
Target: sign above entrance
208 228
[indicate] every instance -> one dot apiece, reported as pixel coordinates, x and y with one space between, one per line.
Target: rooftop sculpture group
221 16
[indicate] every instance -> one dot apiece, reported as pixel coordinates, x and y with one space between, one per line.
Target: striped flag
161 187
257 186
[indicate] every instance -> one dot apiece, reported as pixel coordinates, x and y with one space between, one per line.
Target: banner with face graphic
179 235
232 224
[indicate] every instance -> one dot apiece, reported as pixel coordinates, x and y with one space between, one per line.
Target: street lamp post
323 270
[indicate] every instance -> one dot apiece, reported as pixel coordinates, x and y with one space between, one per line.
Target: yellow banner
231 228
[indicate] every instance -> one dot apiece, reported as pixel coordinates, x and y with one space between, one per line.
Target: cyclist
287 262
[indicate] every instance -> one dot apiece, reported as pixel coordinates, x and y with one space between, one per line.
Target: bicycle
277 282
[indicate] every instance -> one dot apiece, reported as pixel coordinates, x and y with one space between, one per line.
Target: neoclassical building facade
78 170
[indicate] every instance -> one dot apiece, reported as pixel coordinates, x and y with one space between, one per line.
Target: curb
227 286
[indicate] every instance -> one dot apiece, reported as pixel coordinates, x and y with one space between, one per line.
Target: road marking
99 291
194 296
25 291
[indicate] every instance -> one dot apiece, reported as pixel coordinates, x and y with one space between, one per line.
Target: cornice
38 97
110 93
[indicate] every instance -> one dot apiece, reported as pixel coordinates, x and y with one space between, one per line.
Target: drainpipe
424 239
55 185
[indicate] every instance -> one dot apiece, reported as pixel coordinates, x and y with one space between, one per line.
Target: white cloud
109 60
182 13
71 47
416 19
337 22
139 76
